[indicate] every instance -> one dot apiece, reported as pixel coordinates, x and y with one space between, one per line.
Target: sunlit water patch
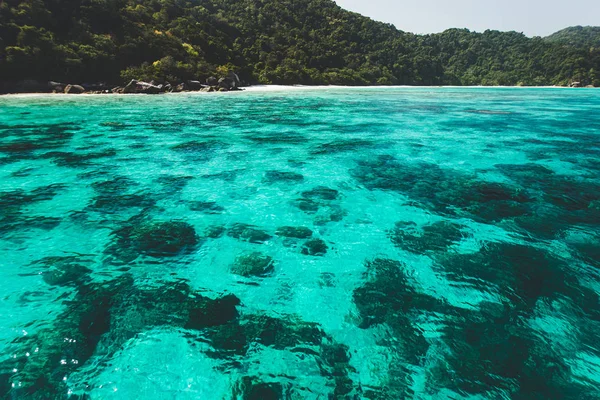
332 243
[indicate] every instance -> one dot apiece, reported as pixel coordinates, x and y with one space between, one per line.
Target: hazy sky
532 17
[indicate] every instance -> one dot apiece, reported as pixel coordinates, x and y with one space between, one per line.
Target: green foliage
577 36
271 41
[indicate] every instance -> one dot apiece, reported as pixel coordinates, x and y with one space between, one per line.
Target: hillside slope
577 36
266 41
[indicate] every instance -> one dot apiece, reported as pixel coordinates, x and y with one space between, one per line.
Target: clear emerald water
452 249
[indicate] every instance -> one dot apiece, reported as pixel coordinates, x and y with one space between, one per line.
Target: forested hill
267 41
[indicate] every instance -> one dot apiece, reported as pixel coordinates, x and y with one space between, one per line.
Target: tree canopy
271 41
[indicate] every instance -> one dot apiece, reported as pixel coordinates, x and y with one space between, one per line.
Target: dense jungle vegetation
271 41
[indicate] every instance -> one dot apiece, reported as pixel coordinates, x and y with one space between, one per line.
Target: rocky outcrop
227 83
141 87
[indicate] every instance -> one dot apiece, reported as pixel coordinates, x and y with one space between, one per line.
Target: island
102 45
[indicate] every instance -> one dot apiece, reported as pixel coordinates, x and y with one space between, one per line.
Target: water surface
342 243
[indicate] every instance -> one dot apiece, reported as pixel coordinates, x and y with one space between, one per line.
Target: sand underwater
427 243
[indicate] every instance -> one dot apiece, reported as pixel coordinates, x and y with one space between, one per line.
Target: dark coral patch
228 176
279 138
114 204
563 200
494 348
444 191
207 207
272 177
297 232
342 146
15 200
321 193
158 239
321 201
200 151
77 159
173 183
113 313
32 138
307 205
63 271
389 297
523 273
12 204
114 187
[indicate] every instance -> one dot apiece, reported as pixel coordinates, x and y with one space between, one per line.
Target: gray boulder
212 81
56 87
194 85
74 89
182 87
253 264
234 79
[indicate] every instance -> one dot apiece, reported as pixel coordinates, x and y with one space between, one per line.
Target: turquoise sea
341 243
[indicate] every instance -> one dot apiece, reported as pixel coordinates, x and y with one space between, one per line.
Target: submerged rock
314 247
253 264
63 271
248 233
215 232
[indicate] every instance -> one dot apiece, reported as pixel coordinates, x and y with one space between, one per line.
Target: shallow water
340 243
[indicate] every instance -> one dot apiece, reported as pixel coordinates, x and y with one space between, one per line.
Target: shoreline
278 88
